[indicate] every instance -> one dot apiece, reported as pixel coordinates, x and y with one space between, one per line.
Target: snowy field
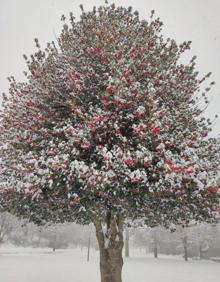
42 265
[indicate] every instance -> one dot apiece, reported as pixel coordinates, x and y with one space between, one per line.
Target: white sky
197 20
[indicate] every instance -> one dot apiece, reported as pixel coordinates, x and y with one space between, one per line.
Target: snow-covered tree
7 222
107 127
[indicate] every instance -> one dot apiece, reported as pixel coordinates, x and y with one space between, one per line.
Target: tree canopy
109 120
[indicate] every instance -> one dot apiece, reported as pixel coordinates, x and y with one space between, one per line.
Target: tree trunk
127 242
185 242
185 253
111 263
89 244
54 243
200 251
155 244
155 251
110 243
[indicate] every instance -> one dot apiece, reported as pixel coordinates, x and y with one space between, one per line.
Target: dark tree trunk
200 251
127 242
54 243
185 242
89 243
185 253
111 263
155 245
110 247
155 251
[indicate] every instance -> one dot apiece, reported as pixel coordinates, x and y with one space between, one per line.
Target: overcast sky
197 20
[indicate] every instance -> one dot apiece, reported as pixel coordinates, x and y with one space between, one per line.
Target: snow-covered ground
42 265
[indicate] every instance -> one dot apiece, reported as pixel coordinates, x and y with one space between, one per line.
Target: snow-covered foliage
108 120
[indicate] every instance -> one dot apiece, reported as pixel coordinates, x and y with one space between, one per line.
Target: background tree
106 128
155 242
7 222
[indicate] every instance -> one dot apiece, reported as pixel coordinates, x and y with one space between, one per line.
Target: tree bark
54 243
200 251
110 243
155 251
155 245
127 242
111 263
185 243
89 244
